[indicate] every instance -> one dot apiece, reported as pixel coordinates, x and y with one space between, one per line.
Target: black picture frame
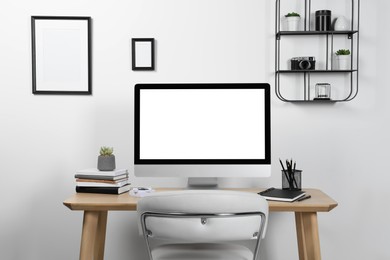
61 55
142 54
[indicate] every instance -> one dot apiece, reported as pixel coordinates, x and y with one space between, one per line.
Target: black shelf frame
352 35
315 101
348 33
316 71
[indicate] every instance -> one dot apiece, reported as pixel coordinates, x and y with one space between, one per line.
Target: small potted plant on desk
292 21
106 159
343 57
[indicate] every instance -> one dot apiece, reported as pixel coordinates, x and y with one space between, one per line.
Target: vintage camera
303 63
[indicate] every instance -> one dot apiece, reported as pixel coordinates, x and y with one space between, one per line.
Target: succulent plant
343 52
292 14
106 151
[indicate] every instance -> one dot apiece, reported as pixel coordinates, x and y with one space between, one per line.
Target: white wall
342 148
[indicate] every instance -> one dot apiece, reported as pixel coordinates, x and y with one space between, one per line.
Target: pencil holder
291 180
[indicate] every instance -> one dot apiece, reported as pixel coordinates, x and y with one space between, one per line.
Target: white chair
202 224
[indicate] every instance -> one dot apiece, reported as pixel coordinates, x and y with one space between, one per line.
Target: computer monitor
202 130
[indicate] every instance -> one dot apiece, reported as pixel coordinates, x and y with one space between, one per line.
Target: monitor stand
202 183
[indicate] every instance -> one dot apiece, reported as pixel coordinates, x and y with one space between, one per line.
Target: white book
95 171
100 177
101 184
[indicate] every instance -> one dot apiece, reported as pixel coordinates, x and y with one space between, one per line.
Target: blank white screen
202 124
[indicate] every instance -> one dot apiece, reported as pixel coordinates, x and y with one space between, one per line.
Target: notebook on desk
282 195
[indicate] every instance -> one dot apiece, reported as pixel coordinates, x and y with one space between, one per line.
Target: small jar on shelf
322 91
323 20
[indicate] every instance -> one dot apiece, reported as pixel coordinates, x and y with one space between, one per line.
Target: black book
103 190
282 195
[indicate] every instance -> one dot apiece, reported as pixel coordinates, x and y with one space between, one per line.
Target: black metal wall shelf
349 33
353 37
314 101
316 71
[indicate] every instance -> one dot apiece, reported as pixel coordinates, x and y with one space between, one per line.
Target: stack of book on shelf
108 182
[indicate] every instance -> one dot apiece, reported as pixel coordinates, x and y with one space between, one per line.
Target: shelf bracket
349 35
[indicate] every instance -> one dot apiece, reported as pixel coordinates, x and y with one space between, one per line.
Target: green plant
343 52
292 14
106 151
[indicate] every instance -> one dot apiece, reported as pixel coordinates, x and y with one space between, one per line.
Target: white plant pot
292 23
344 62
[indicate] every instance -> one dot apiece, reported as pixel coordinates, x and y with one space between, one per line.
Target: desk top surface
319 201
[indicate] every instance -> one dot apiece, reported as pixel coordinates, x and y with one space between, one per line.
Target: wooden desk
96 207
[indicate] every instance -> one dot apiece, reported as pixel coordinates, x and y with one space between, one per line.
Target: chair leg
307 235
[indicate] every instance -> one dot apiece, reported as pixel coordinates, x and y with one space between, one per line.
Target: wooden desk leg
93 235
307 235
101 236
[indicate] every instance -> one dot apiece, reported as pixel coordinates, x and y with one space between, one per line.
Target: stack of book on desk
108 182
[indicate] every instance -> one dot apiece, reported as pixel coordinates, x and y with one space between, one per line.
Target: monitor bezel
267 118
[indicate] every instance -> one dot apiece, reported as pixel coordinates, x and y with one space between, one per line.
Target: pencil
284 171
304 198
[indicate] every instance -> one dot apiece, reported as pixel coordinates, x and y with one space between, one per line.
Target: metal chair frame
203 218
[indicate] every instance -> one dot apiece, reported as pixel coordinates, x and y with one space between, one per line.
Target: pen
293 174
265 191
284 171
304 198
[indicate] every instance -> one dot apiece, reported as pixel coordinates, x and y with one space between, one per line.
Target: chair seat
202 252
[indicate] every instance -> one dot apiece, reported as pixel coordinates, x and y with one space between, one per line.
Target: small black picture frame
61 55
142 53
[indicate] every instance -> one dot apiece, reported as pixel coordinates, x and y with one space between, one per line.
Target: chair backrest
203 216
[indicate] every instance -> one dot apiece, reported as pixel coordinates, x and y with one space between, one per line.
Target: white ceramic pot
292 23
341 24
344 62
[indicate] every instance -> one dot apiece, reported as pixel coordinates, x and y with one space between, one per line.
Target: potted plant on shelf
106 159
343 57
292 21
